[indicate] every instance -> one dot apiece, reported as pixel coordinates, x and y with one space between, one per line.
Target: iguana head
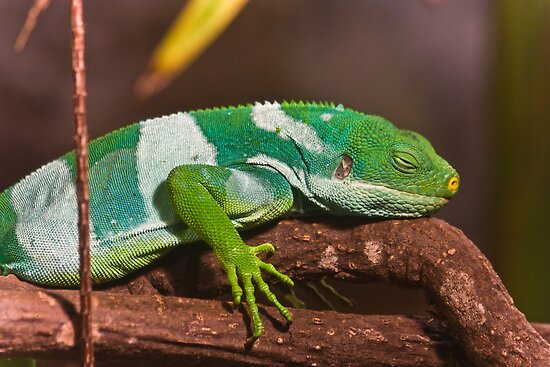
386 172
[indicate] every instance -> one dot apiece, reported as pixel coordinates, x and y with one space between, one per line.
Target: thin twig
83 193
38 7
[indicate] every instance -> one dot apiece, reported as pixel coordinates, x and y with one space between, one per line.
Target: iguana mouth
369 186
382 201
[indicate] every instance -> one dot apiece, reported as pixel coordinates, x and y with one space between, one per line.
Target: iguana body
206 174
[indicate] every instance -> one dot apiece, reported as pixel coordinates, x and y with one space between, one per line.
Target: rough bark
82 185
476 308
150 327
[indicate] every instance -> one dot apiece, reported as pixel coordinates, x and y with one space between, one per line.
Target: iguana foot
244 265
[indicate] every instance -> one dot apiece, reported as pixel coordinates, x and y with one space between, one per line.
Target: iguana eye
344 168
404 162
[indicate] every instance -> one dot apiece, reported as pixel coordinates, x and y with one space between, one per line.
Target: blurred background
473 76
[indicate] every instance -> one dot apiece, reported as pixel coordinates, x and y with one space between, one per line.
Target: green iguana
207 174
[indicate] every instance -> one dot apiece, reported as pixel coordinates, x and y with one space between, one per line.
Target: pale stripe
270 117
326 116
46 211
295 176
164 143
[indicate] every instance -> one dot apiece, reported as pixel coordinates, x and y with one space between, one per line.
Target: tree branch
82 187
147 327
429 253
30 22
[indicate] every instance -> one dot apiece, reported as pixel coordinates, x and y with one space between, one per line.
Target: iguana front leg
211 200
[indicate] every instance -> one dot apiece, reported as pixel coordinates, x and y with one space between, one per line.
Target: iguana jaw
369 186
399 203
350 197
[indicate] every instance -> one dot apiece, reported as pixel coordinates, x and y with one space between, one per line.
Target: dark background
470 75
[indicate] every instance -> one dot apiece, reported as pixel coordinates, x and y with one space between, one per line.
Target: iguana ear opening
344 168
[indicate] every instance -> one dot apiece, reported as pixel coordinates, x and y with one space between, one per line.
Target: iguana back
132 220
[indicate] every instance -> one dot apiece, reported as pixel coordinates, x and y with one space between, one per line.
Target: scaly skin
205 175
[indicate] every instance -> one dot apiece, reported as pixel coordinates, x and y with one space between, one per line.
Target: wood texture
82 185
474 305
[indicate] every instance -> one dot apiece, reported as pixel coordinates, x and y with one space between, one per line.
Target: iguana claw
246 267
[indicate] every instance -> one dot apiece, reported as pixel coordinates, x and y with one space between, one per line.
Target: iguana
207 174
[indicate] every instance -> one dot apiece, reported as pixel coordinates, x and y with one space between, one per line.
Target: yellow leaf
195 28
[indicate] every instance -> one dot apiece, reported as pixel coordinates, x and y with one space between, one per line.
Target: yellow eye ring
453 183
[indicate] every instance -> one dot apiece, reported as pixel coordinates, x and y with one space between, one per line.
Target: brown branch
427 253
30 22
476 308
156 327
83 192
